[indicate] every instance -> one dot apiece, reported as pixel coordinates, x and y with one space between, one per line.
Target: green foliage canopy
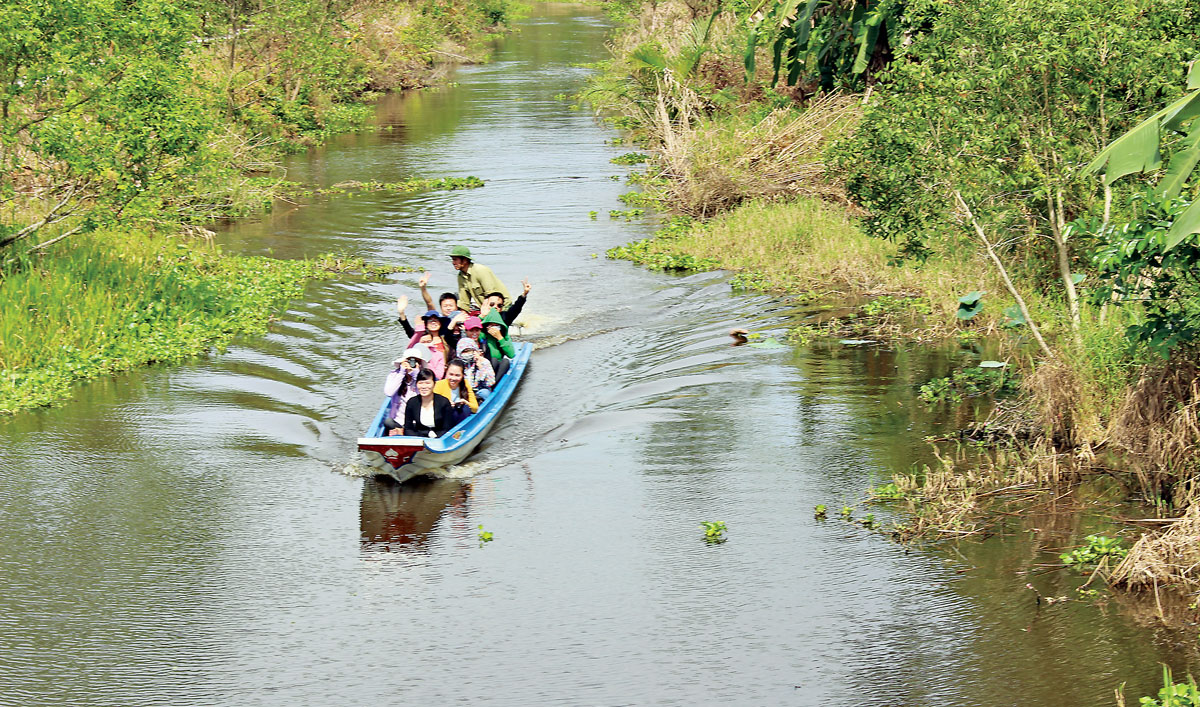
95 107
1005 100
828 42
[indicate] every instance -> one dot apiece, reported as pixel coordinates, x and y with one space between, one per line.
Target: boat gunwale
464 432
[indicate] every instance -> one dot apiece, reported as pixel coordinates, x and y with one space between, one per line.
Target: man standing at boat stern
475 281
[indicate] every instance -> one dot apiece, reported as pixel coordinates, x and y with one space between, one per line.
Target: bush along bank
124 128
1019 169
161 113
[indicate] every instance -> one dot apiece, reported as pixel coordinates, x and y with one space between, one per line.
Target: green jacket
477 283
497 349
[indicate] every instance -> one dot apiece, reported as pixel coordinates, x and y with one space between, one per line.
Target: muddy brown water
197 535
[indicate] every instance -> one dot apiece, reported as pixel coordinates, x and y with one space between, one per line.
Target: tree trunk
1058 228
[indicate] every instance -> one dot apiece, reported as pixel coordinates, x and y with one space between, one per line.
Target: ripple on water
176 536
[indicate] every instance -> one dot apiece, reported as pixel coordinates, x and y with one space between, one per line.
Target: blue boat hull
403 457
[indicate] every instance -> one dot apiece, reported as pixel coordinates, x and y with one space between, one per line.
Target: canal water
201 534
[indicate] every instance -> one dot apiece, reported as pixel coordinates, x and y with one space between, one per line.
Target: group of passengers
455 355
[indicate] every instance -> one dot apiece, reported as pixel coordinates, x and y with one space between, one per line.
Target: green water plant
640 199
868 521
749 281
1097 549
642 252
628 214
630 158
970 305
485 536
714 531
887 305
985 379
819 511
407 186
887 492
847 512
1173 694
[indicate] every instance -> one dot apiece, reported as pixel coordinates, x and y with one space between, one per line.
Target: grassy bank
812 249
922 159
124 127
121 299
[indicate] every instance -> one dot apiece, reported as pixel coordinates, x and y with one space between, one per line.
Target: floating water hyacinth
768 343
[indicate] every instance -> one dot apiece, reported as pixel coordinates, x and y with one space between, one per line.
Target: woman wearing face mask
457 390
477 371
427 414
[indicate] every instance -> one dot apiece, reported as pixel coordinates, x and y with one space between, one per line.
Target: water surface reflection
181 536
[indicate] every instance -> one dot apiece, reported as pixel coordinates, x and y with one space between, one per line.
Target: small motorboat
403 457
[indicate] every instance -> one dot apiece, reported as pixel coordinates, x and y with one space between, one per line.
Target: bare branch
58 238
57 213
1012 289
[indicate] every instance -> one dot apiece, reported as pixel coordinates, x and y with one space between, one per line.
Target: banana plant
684 63
834 40
1139 151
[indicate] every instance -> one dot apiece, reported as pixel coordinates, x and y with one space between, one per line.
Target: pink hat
473 323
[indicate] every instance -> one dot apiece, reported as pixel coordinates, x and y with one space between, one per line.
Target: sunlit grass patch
808 246
115 301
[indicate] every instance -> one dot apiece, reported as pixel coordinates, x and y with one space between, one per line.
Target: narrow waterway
197 535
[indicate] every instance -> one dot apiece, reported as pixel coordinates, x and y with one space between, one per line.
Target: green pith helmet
460 251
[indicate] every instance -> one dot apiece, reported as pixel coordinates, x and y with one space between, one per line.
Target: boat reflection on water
400 518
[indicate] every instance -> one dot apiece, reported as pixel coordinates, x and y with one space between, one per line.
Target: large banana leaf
751 51
866 35
1139 151
1185 225
1186 157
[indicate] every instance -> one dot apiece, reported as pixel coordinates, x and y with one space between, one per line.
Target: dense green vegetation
157 112
118 300
124 124
1023 168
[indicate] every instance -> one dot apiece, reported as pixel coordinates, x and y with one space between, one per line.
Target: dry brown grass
1060 404
1158 424
965 494
667 24
1170 558
718 156
717 163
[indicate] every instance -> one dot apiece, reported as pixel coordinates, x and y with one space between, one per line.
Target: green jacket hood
493 317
